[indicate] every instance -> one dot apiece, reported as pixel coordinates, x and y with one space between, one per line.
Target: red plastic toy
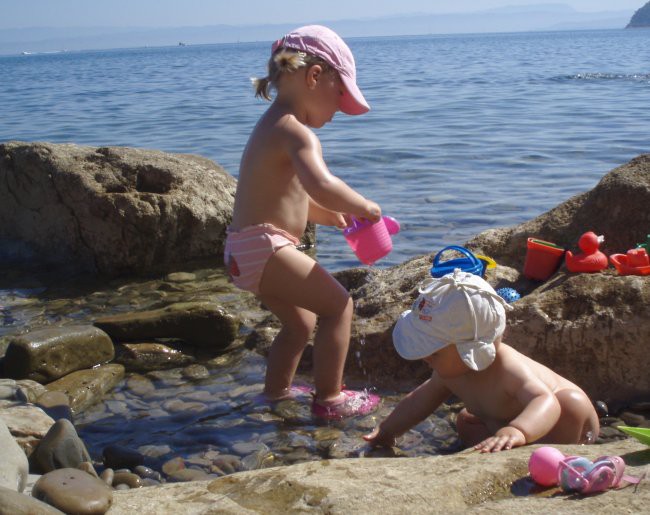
635 262
591 259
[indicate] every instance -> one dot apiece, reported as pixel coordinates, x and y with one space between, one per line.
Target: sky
15 14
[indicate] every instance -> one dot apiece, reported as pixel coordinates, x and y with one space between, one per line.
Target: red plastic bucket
542 259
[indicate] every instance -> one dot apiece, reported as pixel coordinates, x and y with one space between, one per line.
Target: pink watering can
371 241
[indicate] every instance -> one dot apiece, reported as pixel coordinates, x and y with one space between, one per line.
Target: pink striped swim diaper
247 251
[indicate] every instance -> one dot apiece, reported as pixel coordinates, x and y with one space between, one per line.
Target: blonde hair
284 60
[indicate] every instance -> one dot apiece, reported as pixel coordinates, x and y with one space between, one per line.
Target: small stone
228 463
88 467
73 491
601 409
127 478
147 481
118 456
183 475
147 473
171 466
60 448
180 277
107 476
196 372
632 419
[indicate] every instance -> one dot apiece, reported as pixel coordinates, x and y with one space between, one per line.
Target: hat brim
352 102
412 343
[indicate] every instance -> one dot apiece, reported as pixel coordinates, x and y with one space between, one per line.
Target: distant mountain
641 18
506 19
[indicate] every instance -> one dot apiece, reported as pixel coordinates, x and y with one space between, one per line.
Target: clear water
466 132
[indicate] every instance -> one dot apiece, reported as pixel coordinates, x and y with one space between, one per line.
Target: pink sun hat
322 42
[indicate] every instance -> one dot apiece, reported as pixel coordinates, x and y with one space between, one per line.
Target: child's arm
327 190
322 216
539 416
411 410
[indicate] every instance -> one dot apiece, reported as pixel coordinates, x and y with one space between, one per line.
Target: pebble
188 475
88 467
107 476
127 478
173 465
196 372
73 491
60 448
632 419
147 473
118 456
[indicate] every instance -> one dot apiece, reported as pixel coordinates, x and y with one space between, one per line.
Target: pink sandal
350 403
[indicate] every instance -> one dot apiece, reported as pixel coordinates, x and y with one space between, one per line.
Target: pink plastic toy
591 259
543 465
635 262
371 242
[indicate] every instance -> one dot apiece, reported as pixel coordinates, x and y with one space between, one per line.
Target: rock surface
495 483
60 448
13 465
47 354
197 323
13 503
73 491
112 210
27 423
86 387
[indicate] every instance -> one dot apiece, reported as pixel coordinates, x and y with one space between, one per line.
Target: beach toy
542 259
543 465
591 259
549 467
488 262
508 294
371 241
635 262
642 434
469 263
578 474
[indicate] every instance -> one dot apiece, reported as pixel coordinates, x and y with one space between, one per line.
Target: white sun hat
459 309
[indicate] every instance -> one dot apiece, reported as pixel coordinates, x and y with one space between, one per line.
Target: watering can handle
457 248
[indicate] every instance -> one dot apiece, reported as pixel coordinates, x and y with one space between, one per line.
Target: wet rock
180 277
127 478
60 448
632 419
48 354
118 456
228 463
86 387
13 465
14 503
107 476
28 424
55 404
197 323
173 465
88 467
8 389
30 390
140 385
147 473
155 451
73 491
188 475
144 357
114 210
196 372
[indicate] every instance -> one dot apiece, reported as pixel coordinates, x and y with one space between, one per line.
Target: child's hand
372 211
505 438
379 438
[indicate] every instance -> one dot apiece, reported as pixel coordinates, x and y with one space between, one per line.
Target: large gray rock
87 387
48 354
112 210
198 323
60 448
458 483
13 465
13 503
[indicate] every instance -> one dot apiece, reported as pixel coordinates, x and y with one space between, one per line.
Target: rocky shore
185 353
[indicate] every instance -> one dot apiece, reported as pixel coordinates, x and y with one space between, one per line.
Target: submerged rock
198 323
47 354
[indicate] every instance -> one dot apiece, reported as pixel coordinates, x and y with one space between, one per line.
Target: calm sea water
466 132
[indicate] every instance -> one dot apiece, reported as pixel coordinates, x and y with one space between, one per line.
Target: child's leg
471 429
578 421
296 279
288 345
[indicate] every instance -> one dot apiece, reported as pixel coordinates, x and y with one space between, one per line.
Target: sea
465 133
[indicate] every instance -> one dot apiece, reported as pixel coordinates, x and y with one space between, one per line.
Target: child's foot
294 392
350 403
